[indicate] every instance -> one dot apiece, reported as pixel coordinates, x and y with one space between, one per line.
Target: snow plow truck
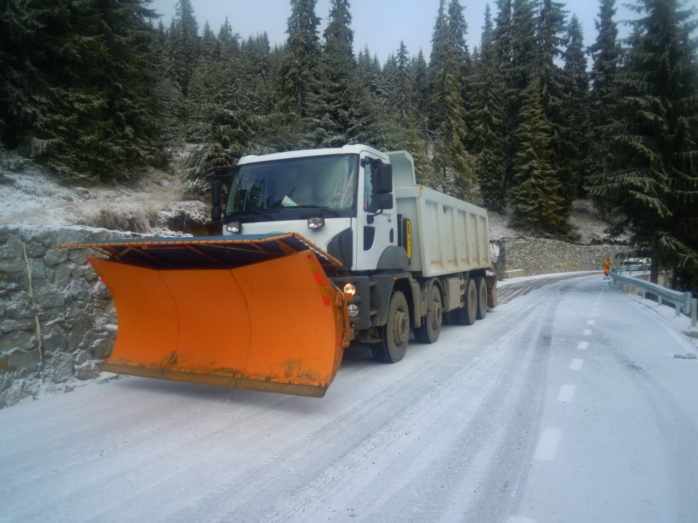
319 248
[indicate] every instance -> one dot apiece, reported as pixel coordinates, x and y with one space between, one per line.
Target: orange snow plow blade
276 325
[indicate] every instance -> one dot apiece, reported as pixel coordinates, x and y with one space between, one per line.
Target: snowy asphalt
565 404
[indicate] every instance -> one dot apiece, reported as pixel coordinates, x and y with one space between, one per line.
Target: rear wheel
481 297
395 334
429 331
466 315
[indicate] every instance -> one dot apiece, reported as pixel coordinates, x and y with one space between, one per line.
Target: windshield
326 182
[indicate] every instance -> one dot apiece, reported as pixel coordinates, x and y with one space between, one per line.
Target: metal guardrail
683 301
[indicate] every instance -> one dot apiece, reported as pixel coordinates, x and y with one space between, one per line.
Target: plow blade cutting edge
276 326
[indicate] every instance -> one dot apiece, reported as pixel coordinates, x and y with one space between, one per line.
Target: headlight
349 290
316 222
234 227
353 310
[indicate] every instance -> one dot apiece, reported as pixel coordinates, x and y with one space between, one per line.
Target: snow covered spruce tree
451 159
536 203
375 122
652 186
184 41
557 103
577 101
300 69
21 23
502 42
488 118
331 118
86 74
517 76
229 102
605 53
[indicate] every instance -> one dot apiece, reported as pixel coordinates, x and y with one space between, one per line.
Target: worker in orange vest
606 268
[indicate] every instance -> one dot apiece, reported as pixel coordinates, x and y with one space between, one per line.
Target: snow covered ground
566 404
150 205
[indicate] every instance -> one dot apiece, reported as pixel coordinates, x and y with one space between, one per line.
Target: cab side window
368 186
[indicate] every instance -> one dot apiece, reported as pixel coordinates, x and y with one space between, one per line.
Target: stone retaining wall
57 319
55 314
542 256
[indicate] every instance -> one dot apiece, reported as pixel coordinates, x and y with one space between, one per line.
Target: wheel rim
435 318
401 327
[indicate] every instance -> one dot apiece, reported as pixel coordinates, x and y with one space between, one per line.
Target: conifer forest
526 122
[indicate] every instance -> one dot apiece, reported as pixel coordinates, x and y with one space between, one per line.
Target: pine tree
503 44
605 54
451 161
332 117
437 64
375 122
128 137
416 146
653 184
87 80
488 118
209 43
457 33
577 100
535 202
169 100
519 46
401 91
300 70
556 101
20 23
228 42
185 44
420 85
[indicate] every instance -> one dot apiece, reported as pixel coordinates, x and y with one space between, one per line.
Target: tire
481 285
468 314
429 331
395 333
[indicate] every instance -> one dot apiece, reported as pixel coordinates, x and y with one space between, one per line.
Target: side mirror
382 178
216 200
383 201
216 192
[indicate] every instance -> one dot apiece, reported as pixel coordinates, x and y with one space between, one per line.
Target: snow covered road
565 405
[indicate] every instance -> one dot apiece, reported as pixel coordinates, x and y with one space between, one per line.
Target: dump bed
448 235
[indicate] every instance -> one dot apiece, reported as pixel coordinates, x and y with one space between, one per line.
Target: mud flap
276 326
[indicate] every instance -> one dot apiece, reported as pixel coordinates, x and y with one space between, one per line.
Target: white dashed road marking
566 393
591 322
547 445
576 364
587 332
583 345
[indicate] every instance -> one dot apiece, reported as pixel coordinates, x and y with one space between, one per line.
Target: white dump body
448 235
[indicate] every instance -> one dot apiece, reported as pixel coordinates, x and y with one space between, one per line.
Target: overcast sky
380 24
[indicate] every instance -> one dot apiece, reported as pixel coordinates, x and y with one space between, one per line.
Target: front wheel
395 334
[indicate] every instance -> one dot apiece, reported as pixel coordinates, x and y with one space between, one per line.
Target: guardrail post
694 312
678 310
659 301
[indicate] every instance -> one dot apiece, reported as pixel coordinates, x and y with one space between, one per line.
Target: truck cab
339 199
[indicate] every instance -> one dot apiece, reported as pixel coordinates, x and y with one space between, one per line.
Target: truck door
377 229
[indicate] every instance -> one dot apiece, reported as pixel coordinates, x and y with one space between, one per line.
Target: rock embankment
56 318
